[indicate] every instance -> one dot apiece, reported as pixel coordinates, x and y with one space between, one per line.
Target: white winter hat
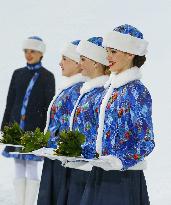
128 39
34 43
93 49
70 50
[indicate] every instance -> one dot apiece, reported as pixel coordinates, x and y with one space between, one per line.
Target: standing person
31 90
125 134
54 175
84 117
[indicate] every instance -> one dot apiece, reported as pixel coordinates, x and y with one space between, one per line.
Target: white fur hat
92 49
34 43
70 50
128 39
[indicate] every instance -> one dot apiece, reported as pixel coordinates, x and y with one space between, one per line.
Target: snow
60 21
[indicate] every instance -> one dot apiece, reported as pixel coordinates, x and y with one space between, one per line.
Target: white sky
59 21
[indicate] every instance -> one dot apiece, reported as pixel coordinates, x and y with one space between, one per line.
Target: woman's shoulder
138 91
19 71
136 86
75 87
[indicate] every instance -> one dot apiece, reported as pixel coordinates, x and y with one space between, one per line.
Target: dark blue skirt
45 190
115 188
60 185
77 183
53 183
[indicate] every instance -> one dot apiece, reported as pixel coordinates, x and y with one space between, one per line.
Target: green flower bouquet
34 140
11 137
12 134
69 144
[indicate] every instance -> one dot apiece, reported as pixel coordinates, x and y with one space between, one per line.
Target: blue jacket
62 106
125 123
84 117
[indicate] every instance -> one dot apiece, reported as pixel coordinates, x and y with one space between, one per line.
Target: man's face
32 56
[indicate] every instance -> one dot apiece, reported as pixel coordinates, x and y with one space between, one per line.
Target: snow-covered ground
65 20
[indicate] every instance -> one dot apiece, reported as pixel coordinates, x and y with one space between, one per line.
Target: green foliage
12 134
34 140
69 144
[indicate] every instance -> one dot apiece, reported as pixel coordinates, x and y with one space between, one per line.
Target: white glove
108 163
81 165
43 151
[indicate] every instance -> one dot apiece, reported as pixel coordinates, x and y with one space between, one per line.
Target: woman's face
118 60
32 56
69 67
87 66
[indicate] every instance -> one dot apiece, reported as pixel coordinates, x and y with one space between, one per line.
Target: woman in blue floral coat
84 117
53 174
125 134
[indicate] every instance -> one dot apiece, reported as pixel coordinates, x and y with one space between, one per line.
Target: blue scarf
36 67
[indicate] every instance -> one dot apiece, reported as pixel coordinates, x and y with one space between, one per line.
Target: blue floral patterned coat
85 114
62 107
125 125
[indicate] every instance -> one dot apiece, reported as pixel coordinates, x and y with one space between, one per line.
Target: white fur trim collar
94 83
125 77
112 75
66 83
70 81
116 81
87 87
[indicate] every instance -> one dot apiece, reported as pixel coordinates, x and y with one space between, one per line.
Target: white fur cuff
108 163
81 165
113 163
